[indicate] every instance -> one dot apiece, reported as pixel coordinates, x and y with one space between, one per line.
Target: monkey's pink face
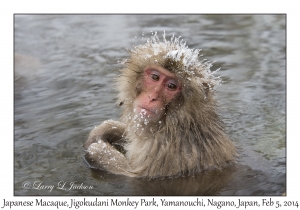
160 87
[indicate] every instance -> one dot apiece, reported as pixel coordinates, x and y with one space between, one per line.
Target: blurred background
64 70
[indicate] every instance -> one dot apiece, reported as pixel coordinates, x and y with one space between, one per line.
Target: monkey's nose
153 97
155 93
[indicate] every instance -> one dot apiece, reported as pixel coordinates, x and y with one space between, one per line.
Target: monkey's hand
110 131
102 155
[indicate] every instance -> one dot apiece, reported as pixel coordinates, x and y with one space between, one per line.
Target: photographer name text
62 185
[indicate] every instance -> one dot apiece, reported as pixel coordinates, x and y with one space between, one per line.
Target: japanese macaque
169 124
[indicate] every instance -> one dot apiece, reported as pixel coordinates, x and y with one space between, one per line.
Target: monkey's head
165 83
159 87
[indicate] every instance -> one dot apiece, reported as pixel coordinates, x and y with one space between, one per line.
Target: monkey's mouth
145 111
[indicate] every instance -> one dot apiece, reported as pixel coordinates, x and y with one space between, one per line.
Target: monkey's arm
102 155
110 131
100 152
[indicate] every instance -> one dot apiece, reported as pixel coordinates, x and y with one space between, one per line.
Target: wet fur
191 136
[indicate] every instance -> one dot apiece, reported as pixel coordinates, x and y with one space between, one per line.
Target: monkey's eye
172 86
155 77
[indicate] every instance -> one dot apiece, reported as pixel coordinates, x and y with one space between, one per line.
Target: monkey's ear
205 85
121 103
206 88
